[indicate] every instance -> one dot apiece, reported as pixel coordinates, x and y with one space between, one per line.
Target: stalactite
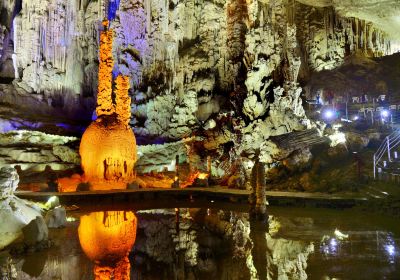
329 40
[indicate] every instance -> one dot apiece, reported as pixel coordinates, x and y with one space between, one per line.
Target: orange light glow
122 99
202 176
189 180
107 238
69 184
108 152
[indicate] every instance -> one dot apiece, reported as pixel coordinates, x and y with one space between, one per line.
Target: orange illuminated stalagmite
107 238
108 146
122 99
106 65
108 153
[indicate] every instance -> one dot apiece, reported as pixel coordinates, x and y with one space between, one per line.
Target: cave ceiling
385 14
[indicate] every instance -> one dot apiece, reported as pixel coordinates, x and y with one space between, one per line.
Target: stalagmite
261 199
258 199
122 99
108 146
106 64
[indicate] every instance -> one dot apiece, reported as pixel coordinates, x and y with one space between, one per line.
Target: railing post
388 147
374 167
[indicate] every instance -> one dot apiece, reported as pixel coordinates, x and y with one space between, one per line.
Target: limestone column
175 184
258 198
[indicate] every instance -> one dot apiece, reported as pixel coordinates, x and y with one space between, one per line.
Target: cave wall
189 61
326 38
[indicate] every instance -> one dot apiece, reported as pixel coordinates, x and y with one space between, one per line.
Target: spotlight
390 249
385 113
355 118
329 114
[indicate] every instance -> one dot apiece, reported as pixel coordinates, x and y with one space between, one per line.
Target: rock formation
108 146
225 70
33 151
182 54
15 213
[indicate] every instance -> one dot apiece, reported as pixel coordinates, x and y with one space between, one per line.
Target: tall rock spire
106 63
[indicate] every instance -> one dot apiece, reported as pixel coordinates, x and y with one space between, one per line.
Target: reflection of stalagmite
108 146
107 238
259 251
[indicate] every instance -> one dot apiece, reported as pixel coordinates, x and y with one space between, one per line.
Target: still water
216 244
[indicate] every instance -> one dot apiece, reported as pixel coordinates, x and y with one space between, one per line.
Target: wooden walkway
213 197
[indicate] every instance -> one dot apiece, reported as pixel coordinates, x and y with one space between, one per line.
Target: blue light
113 6
390 250
385 113
329 246
329 114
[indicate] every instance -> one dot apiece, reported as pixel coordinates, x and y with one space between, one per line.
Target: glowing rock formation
122 99
108 146
108 152
107 238
106 64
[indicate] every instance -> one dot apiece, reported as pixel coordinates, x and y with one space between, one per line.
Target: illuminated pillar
108 146
106 64
122 99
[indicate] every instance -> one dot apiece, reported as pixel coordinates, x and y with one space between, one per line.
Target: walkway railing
388 146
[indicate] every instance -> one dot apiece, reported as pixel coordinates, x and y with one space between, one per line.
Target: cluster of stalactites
105 105
117 167
122 99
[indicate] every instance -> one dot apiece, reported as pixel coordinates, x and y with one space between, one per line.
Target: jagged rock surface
227 70
15 213
184 57
34 150
56 218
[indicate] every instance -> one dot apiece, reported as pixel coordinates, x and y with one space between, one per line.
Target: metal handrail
391 141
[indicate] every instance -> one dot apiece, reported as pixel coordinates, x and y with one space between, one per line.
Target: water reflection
359 244
107 238
186 244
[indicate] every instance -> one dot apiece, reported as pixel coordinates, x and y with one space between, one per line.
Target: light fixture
385 113
390 249
329 114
